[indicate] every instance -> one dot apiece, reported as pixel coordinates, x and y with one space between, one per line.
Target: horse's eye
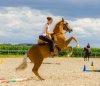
66 23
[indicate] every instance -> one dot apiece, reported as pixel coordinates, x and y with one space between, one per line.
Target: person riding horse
38 52
46 35
87 51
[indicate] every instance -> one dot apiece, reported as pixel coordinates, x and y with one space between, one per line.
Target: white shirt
44 29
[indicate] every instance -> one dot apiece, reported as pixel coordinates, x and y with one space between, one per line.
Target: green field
11 56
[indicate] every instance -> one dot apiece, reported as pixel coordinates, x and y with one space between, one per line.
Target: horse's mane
56 27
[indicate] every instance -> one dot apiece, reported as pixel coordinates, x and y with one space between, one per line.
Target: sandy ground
68 73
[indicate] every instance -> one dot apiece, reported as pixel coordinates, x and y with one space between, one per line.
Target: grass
21 56
11 56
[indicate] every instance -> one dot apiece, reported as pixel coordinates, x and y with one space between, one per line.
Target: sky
21 21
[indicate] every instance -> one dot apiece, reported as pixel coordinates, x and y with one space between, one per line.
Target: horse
87 52
38 52
60 38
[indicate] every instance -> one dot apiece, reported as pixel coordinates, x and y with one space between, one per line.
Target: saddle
41 41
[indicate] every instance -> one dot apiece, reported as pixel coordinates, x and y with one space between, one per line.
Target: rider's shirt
44 29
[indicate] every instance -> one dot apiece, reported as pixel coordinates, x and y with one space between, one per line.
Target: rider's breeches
50 41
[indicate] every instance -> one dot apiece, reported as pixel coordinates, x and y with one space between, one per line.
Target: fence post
81 54
8 52
95 54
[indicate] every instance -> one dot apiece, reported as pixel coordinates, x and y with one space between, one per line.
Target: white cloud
86 27
23 24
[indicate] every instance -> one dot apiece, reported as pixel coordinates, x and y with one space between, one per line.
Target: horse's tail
23 65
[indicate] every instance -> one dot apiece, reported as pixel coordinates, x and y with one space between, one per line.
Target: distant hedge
11 49
20 50
79 52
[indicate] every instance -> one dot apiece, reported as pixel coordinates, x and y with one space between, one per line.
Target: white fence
12 51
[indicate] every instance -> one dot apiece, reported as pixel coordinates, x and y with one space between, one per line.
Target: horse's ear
62 19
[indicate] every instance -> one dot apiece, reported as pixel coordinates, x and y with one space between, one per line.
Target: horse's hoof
77 45
68 55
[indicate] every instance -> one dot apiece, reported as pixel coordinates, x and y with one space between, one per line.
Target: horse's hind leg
85 58
35 69
88 57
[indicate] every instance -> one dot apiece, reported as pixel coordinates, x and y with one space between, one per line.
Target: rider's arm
48 33
47 30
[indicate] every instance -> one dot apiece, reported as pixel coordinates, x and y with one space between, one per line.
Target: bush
79 52
11 49
20 50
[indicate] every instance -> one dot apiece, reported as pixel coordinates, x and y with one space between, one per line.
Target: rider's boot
53 54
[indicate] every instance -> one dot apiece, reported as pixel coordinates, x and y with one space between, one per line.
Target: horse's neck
58 29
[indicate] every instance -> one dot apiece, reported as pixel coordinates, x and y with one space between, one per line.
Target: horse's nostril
70 30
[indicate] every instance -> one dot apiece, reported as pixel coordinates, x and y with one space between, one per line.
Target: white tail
23 65
25 58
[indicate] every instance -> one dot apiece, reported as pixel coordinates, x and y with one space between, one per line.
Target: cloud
24 24
21 23
67 8
86 27
86 30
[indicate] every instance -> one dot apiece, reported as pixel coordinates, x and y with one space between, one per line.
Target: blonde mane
58 27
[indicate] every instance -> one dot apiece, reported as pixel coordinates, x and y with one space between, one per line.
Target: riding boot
53 54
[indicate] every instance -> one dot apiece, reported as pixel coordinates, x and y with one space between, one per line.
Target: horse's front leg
71 49
70 39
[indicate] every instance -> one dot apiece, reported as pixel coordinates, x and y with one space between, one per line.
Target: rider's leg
51 44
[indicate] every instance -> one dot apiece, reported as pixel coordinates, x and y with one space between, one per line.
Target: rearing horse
40 51
59 36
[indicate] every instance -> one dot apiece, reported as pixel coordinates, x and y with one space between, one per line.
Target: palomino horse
40 51
60 38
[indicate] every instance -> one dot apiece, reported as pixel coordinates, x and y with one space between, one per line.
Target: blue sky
21 20
67 8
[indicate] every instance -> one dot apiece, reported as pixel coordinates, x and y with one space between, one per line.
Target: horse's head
62 26
66 26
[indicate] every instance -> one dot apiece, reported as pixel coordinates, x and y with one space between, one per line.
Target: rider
87 51
44 35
